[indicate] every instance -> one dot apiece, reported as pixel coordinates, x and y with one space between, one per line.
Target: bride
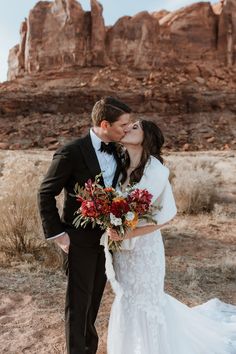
144 319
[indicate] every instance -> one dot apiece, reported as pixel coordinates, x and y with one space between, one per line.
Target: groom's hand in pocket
63 242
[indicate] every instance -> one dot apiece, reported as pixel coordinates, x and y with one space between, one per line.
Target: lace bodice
140 267
141 272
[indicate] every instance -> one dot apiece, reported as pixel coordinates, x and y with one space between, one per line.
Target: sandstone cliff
60 35
177 68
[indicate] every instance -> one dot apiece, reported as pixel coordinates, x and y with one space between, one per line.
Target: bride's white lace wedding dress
146 320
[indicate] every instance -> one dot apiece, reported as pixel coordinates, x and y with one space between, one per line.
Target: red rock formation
98 35
16 60
191 104
133 41
218 7
160 14
227 33
169 67
190 32
60 36
13 63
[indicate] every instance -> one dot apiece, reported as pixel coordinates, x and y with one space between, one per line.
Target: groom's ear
104 124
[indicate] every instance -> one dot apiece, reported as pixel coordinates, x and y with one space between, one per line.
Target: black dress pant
86 283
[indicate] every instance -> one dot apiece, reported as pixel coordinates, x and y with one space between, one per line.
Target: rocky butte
176 67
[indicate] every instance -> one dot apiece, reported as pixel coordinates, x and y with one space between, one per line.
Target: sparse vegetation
194 183
19 221
200 254
20 225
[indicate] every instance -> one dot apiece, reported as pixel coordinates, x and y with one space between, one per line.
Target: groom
78 161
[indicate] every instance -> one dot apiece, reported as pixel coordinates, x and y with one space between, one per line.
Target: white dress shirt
106 162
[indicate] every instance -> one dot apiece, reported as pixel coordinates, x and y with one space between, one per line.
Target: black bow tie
108 148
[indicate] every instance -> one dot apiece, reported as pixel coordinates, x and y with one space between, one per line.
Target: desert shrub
194 184
19 221
228 266
20 224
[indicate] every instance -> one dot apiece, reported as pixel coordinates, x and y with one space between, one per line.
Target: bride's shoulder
155 176
158 167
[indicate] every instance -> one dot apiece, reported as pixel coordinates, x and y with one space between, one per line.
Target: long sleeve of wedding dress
146 320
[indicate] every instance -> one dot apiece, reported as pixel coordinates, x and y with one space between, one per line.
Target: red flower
119 207
109 190
102 206
88 208
140 199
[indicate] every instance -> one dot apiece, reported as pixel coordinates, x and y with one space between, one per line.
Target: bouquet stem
114 246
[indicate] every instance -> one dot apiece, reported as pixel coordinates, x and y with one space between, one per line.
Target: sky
13 12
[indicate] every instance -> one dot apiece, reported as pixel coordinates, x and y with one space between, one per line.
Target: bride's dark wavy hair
153 141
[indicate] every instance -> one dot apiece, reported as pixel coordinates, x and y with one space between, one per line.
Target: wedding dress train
146 320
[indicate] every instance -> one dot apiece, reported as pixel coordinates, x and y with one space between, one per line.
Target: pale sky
13 12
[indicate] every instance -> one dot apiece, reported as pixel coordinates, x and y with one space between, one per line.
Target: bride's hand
113 234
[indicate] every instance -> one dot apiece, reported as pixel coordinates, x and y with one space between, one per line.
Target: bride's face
133 135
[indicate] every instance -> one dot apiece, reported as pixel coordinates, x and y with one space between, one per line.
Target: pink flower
140 199
88 208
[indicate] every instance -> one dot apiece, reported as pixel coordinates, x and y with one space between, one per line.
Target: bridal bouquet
107 207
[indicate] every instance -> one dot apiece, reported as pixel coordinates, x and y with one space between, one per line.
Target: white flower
129 216
114 220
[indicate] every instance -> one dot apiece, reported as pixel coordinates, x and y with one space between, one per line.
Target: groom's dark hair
108 108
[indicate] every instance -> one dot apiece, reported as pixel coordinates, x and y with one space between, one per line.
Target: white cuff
53 237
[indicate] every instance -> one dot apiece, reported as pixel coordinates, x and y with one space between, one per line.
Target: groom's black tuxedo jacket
76 162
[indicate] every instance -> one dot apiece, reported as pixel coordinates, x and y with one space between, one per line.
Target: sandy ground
200 257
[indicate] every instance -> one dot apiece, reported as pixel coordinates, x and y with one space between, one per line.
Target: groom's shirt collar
106 162
96 141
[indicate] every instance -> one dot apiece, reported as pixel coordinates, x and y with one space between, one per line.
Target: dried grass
228 266
194 185
20 224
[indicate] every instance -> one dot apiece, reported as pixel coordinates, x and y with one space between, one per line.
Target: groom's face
116 131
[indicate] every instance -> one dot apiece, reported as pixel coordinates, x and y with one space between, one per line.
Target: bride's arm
143 230
138 231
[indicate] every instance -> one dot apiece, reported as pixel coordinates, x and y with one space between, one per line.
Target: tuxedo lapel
118 170
90 157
